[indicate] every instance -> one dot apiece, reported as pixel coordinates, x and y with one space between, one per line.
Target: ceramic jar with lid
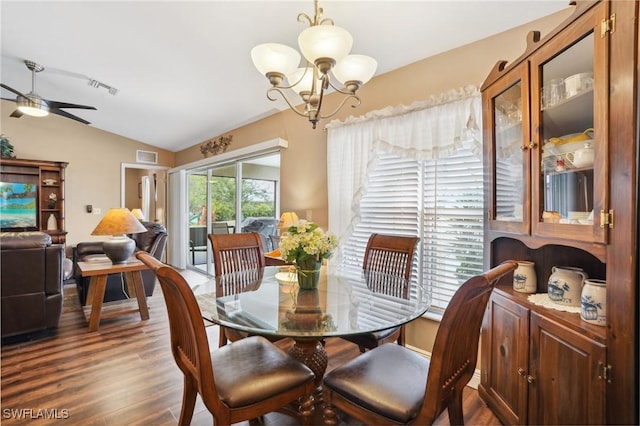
524 277
565 285
593 302
582 157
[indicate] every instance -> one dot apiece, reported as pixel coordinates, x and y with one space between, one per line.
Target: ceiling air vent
148 157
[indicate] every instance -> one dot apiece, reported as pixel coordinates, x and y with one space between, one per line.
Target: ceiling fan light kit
34 105
325 48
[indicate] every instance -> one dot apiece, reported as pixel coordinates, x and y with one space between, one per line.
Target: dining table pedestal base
311 352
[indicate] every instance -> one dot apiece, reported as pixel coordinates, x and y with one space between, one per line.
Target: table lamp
118 223
138 214
287 219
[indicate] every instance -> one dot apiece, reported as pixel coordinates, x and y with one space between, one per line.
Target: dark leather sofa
153 241
32 283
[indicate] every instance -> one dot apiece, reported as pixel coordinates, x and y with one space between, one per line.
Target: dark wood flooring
124 374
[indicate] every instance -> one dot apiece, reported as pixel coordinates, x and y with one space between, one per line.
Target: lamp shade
304 84
325 41
137 213
355 68
288 219
118 222
275 57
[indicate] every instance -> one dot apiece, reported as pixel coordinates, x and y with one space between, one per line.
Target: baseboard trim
473 383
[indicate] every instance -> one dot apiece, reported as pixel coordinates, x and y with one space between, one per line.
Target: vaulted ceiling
183 71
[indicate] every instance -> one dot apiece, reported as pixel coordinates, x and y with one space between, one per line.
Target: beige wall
94 157
303 165
93 176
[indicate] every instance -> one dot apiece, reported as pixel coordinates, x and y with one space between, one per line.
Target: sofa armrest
86 249
159 244
54 271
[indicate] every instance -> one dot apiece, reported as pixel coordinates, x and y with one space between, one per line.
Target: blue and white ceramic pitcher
565 285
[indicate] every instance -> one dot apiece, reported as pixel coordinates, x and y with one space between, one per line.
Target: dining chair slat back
390 254
234 253
238 262
254 378
417 390
386 257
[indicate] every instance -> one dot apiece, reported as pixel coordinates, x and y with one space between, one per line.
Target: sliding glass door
237 196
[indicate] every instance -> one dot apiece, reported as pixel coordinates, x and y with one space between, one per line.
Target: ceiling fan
36 106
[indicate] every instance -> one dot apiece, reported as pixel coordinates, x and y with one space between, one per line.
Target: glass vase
308 273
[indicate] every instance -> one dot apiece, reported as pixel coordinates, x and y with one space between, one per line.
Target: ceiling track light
98 84
325 48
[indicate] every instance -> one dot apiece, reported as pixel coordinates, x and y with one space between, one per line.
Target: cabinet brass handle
530 379
532 145
521 372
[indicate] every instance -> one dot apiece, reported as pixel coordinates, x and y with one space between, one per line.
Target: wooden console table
98 270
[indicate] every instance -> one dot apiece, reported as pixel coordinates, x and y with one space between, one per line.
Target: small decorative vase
593 302
524 277
52 223
308 273
51 204
565 285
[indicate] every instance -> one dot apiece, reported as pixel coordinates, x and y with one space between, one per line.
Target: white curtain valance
425 130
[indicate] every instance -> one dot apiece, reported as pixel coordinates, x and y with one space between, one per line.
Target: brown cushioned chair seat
372 382
239 363
371 340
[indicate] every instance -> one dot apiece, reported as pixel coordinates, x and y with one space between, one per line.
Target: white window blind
440 201
452 233
391 205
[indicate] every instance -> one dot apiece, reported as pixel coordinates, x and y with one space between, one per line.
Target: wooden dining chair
240 259
386 255
394 385
241 381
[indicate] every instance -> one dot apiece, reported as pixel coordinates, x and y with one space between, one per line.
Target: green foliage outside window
256 201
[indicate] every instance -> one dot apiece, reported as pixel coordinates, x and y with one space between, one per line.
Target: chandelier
325 48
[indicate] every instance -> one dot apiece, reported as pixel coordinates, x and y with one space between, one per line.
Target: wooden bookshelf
49 180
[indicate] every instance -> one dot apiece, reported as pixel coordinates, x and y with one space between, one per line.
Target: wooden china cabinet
47 177
561 151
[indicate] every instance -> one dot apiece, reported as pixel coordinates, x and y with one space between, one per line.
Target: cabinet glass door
508 114
569 123
509 174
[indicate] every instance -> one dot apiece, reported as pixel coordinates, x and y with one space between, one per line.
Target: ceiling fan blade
67 115
4 86
16 114
55 104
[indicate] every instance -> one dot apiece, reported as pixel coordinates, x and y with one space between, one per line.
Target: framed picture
18 206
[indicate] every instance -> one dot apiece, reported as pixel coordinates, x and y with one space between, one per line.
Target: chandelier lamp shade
325 49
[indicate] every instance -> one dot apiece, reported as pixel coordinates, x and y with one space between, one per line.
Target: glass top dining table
270 303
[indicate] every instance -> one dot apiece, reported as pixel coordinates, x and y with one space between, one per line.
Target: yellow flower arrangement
306 244
306 240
